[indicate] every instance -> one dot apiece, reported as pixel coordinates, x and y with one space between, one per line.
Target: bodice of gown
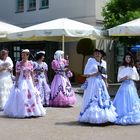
5 72
59 66
25 69
92 66
40 69
131 72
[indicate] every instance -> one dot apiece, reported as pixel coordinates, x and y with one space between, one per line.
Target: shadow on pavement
76 123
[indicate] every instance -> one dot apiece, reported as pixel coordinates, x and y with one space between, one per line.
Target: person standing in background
6 83
41 78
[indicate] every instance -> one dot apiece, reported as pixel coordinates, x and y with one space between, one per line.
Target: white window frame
33 3
19 5
44 6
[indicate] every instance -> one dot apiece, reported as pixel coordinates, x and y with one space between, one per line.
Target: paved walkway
61 124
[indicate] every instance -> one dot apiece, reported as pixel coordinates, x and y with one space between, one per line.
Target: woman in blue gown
97 106
126 100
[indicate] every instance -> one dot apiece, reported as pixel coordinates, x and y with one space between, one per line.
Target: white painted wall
84 10
98 9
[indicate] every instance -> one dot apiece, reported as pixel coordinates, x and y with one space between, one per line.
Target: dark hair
3 52
38 56
101 51
96 50
131 64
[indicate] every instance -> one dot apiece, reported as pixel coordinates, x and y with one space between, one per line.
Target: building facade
25 13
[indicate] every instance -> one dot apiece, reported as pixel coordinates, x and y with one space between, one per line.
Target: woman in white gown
24 100
97 106
6 83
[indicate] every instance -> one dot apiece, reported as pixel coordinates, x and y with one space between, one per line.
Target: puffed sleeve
135 75
104 64
18 66
45 66
55 65
90 67
121 73
34 65
31 63
9 60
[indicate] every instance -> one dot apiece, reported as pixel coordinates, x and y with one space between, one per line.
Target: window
44 4
31 5
19 5
16 50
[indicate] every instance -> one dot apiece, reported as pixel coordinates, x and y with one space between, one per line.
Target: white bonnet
58 54
43 52
25 51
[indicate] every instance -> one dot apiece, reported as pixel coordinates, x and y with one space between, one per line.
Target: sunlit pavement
62 124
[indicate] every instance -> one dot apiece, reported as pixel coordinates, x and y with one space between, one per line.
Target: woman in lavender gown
97 107
41 78
24 100
62 93
126 101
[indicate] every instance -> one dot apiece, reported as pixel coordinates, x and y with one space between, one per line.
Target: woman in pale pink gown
24 100
62 93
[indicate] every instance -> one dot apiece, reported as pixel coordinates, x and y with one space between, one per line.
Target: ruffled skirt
62 93
97 107
127 104
24 101
45 91
6 84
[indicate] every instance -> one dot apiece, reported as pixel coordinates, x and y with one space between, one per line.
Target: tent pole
63 43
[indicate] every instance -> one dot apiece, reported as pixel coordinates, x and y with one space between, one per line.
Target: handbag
102 70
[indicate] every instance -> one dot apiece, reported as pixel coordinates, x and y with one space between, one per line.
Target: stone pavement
61 124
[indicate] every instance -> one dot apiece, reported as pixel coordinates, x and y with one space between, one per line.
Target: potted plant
85 47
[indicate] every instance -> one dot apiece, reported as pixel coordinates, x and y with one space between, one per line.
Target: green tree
117 12
85 47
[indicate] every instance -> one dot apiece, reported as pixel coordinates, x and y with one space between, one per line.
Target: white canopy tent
6 28
131 28
59 30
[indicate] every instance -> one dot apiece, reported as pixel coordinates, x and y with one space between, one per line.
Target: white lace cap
43 52
25 51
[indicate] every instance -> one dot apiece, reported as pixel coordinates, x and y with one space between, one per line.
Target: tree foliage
85 47
118 12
